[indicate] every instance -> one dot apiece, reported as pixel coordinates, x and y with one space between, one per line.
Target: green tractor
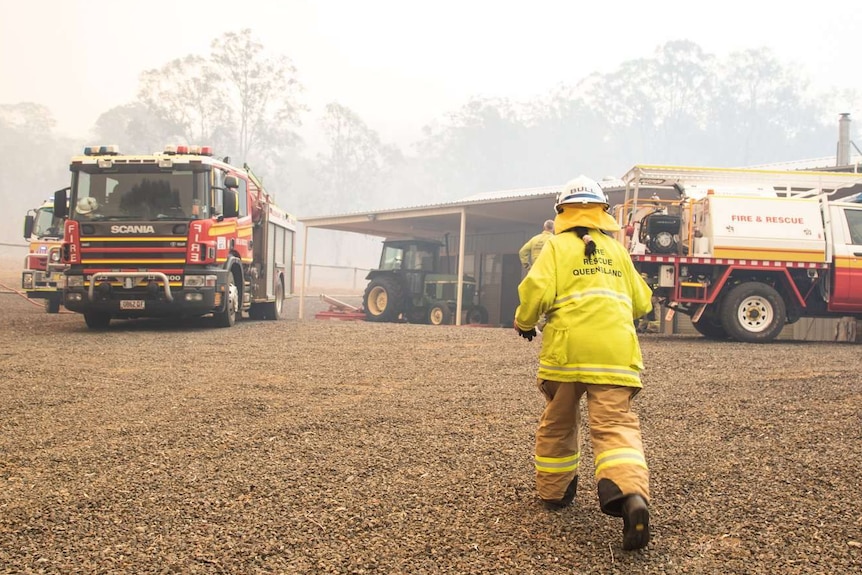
409 286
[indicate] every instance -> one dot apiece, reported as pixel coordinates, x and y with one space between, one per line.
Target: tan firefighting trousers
620 466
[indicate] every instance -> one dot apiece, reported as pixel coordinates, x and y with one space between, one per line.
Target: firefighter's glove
527 334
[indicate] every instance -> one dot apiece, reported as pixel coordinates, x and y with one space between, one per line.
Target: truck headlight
193 281
74 281
27 280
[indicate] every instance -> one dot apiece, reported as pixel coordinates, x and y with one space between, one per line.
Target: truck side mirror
231 182
231 201
28 226
61 203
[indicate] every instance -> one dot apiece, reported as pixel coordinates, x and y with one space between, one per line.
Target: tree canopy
679 105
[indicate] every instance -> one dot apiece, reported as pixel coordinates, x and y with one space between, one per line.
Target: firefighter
530 250
585 282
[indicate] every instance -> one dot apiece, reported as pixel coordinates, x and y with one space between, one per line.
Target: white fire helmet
87 205
581 190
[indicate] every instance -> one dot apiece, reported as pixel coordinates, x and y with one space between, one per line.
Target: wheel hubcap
233 298
755 314
378 300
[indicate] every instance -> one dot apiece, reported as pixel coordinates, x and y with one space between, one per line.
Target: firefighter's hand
528 334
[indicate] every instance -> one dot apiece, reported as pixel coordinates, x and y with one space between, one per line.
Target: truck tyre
383 299
477 314
227 317
710 325
255 311
273 310
753 312
52 304
439 313
97 319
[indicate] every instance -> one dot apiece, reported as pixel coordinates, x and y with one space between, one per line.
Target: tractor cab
409 285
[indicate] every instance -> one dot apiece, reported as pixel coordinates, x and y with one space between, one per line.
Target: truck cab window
854 223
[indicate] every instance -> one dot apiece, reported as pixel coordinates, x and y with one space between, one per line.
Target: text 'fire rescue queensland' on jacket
591 304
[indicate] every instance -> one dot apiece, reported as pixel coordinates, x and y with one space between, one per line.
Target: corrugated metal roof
824 163
482 197
509 194
488 212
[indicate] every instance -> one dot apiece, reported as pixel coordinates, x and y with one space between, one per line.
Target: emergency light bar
190 150
112 150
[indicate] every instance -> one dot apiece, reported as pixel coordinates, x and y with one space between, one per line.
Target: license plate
131 304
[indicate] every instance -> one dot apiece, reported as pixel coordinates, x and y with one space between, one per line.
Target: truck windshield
44 224
140 195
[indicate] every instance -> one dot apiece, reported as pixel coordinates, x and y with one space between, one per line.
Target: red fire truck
746 251
175 234
42 277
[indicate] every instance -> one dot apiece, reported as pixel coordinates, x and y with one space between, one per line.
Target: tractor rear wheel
383 299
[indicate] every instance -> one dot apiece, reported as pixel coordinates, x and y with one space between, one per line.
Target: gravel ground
346 447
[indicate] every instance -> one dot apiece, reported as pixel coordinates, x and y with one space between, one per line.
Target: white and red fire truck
42 277
746 251
175 234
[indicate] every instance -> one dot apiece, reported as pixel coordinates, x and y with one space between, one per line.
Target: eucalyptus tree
186 96
567 137
262 92
762 112
135 128
478 148
356 163
34 162
657 107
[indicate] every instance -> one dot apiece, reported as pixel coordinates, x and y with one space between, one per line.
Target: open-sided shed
496 221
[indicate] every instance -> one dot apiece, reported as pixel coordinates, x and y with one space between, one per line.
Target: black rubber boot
635 523
566 500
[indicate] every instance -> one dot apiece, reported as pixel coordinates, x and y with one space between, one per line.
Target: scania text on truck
175 234
42 277
745 251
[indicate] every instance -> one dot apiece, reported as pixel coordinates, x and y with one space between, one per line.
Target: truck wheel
273 310
753 312
710 325
227 317
52 304
382 300
97 319
439 313
477 314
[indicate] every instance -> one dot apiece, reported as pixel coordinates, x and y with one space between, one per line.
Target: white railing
320 277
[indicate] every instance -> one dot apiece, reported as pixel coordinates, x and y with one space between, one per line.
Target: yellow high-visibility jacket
531 250
591 305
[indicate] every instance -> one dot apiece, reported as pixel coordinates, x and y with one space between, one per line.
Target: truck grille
163 254
134 252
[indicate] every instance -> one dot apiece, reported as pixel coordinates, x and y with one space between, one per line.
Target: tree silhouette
262 91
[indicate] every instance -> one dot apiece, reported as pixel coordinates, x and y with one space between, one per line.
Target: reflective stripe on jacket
591 305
